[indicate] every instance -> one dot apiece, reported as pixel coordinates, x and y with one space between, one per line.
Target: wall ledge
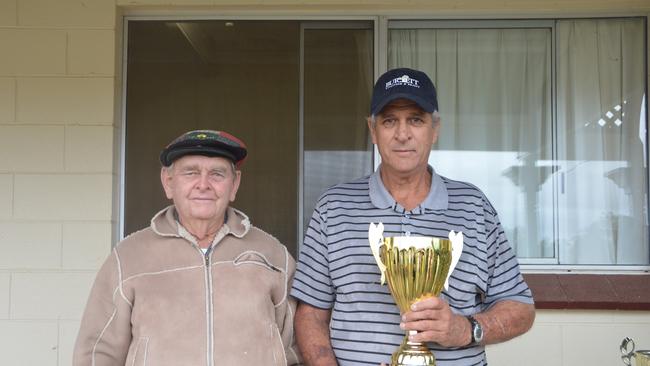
590 291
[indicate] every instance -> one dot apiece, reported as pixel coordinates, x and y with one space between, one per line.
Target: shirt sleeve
505 281
312 283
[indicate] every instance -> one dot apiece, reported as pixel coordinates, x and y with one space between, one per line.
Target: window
240 77
338 80
291 90
546 116
548 119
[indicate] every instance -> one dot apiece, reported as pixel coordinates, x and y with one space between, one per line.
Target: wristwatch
477 330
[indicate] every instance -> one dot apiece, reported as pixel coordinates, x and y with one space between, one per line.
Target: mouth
403 151
202 199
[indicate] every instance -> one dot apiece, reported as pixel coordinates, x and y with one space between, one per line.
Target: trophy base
412 354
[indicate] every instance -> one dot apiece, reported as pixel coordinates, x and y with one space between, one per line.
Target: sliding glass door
292 90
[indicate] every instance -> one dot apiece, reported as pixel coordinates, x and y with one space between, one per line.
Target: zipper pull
206 255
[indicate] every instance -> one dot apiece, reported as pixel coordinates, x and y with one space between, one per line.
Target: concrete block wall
58 165
56 170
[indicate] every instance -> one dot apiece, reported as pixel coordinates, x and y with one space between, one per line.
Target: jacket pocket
138 355
277 347
255 258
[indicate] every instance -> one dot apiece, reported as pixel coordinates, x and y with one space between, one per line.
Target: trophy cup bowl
416 268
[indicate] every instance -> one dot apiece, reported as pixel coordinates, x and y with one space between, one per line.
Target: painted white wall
574 337
58 167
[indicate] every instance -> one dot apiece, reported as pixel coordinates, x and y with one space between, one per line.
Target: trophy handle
626 352
456 239
376 238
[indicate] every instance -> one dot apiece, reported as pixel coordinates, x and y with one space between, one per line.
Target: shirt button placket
406 224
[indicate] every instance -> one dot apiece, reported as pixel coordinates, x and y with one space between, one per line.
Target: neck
408 190
203 231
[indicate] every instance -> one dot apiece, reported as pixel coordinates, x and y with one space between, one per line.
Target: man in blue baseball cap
345 316
201 285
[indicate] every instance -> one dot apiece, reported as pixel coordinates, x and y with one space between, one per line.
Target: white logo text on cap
403 80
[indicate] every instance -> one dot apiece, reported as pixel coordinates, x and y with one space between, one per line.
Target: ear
372 130
166 180
235 187
436 131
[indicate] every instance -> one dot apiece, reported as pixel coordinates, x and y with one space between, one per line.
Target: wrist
467 333
475 331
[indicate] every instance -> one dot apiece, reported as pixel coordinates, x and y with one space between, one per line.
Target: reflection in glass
338 81
601 112
570 193
239 76
243 76
494 97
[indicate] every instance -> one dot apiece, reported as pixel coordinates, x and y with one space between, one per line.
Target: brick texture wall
56 170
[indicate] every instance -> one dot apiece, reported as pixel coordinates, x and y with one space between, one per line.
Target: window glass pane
237 76
494 95
338 80
601 142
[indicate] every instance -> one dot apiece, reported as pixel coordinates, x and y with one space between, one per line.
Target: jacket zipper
209 307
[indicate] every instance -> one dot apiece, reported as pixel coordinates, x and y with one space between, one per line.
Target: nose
402 132
203 182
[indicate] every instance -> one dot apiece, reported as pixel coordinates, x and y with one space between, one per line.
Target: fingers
432 308
434 321
413 316
442 333
429 336
432 302
433 328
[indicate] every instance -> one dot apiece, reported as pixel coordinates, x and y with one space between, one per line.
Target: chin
203 214
405 168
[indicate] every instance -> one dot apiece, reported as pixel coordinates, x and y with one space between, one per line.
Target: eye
389 122
217 174
416 121
189 173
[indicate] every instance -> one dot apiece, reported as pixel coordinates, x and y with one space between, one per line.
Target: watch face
478 332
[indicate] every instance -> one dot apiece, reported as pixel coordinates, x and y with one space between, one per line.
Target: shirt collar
437 199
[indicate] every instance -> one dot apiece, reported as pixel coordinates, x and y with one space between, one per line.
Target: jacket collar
164 223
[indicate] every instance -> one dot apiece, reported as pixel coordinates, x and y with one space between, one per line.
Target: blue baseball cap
404 83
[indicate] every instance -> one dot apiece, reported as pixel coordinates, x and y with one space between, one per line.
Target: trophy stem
412 353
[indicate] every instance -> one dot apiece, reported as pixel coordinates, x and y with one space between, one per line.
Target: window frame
544 280
532 265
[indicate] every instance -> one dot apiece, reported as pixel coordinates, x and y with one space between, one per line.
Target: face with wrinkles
404 134
201 188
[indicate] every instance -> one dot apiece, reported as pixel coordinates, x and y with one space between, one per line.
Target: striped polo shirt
336 269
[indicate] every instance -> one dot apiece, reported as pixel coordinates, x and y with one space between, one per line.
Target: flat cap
206 143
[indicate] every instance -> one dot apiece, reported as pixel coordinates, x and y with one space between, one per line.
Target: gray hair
170 168
435 116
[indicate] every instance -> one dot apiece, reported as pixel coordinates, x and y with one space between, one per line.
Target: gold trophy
416 267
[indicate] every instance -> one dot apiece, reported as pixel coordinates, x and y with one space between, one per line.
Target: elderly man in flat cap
201 285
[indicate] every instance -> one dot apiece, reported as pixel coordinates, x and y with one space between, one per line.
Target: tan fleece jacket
158 300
